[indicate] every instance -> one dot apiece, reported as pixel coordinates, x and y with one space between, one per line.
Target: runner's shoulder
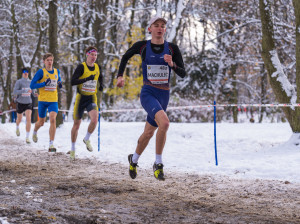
174 48
139 44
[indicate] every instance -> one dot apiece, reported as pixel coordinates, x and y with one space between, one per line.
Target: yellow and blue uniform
86 97
48 97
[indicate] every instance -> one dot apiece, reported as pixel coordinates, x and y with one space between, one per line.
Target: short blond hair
47 55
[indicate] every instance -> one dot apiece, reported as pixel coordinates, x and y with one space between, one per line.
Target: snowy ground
255 181
245 150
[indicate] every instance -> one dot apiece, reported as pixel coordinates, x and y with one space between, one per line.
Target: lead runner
159 57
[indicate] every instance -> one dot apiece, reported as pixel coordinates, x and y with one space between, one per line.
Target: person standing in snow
23 94
47 80
86 76
159 57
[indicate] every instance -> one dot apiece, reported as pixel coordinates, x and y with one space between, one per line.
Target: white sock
35 132
87 136
135 157
73 146
51 143
158 159
17 127
27 134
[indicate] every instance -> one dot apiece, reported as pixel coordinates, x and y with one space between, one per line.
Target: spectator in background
13 115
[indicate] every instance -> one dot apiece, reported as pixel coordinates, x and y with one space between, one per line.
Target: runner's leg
28 120
52 129
163 123
145 138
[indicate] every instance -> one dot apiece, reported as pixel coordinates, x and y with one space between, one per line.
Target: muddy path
42 187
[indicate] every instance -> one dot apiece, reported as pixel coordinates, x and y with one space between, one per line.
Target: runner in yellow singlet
47 80
86 77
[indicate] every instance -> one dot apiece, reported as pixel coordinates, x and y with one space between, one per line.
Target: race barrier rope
182 108
186 107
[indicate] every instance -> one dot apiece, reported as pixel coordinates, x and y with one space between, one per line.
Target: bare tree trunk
109 99
99 28
296 4
41 34
6 86
16 33
268 46
234 96
53 48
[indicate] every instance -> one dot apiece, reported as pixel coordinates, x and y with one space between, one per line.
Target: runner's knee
164 125
94 121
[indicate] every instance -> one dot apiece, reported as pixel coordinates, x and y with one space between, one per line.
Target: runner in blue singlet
159 57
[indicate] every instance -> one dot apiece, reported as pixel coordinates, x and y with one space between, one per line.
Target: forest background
228 48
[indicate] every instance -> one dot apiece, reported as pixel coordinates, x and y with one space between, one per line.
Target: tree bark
6 88
16 33
296 4
53 48
99 28
268 46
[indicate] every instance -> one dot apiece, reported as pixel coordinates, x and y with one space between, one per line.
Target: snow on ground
245 150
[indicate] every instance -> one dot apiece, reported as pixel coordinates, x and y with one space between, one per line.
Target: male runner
159 57
23 94
86 77
47 80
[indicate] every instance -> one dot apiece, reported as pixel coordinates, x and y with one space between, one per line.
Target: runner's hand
59 84
120 81
91 77
168 59
47 82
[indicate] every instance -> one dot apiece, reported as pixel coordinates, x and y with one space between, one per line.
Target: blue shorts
154 100
43 106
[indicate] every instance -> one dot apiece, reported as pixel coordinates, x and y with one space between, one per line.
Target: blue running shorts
43 106
154 100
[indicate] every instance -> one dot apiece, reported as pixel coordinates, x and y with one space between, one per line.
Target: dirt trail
41 187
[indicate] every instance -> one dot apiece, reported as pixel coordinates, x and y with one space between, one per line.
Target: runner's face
25 75
92 57
158 29
48 63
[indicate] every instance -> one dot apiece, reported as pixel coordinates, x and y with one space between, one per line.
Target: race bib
51 86
25 93
158 74
89 86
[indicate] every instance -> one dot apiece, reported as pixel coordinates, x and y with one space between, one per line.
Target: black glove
91 77
47 82
59 84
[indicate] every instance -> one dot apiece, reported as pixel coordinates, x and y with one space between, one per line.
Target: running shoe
34 137
18 132
132 167
72 155
158 171
88 145
52 148
27 141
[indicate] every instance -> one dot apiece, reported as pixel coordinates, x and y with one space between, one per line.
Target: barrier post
99 130
215 134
